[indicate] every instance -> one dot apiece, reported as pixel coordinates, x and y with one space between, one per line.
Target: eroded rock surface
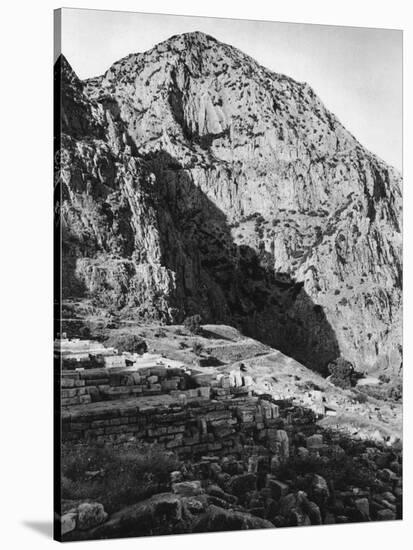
193 180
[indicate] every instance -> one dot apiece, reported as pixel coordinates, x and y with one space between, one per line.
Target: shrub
121 477
131 343
342 373
360 397
312 386
84 332
193 324
198 348
396 392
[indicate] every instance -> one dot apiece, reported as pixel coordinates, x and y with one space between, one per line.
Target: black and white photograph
227 275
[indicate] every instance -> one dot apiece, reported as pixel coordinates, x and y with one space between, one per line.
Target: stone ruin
235 440
190 414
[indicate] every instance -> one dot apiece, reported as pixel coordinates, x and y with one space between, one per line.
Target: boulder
387 475
219 519
314 442
283 450
216 491
89 515
287 504
363 507
243 483
319 491
302 452
162 512
194 505
312 511
278 488
386 515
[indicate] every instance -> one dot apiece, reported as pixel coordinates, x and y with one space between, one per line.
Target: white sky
357 72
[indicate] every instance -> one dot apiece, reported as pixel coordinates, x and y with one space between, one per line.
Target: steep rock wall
195 180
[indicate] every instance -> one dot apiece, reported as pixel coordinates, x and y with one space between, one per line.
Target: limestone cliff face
195 180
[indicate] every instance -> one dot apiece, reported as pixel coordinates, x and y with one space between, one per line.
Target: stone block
98 423
214 446
191 440
363 506
93 374
136 377
175 429
314 441
153 389
278 488
225 382
66 393
83 399
110 430
173 444
154 432
67 382
115 422
78 426
160 371
302 452
168 385
218 415
69 401
204 392
245 416
248 381
235 379
222 392
243 483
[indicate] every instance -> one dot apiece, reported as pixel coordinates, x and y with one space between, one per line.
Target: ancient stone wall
220 417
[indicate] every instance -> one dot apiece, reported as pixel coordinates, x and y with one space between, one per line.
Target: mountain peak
260 151
193 38
66 73
189 41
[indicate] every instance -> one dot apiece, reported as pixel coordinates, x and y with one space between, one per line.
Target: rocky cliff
193 180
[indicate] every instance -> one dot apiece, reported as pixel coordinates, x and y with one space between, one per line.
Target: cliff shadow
231 283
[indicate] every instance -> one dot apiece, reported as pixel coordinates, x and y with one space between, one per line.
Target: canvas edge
57 50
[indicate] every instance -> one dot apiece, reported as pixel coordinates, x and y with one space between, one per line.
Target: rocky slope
194 180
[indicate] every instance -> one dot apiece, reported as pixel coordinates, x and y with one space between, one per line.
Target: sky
356 72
